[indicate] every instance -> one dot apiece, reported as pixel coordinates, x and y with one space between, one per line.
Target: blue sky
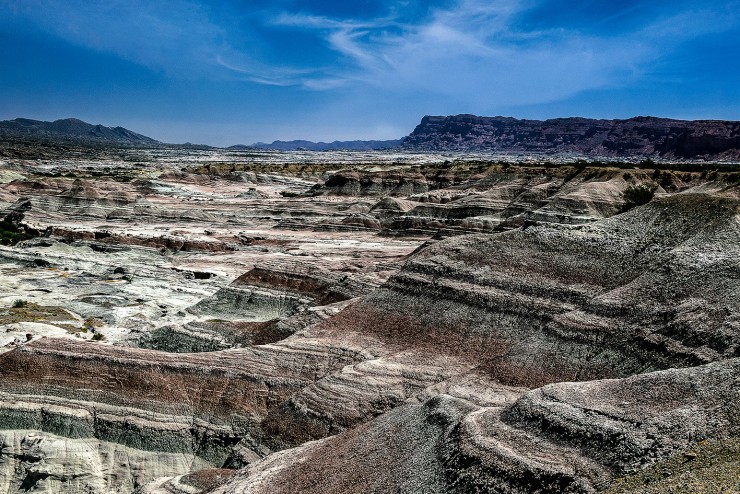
227 72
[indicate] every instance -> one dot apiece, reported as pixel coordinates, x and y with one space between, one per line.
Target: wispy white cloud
476 52
261 73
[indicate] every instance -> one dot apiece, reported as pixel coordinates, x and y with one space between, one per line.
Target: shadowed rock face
71 128
639 136
460 327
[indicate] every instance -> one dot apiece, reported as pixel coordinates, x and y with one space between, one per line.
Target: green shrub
92 323
637 195
19 304
98 337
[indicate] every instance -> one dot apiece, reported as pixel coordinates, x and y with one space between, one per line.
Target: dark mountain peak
70 121
71 129
24 121
637 136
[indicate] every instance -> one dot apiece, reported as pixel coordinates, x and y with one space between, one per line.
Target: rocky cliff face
639 136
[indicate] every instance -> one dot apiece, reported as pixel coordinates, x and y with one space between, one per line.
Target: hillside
70 129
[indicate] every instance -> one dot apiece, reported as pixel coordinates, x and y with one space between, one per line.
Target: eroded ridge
216 325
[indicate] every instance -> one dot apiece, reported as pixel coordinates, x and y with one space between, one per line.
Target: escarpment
638 136
216 323
206 407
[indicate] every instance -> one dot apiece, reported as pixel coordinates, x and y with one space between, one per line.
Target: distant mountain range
633 137
638 136
71 129
327 146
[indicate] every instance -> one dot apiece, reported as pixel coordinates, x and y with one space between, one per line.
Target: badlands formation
205 321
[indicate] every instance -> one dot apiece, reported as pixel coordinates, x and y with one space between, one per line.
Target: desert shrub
92 323
98 337
19 304
637 195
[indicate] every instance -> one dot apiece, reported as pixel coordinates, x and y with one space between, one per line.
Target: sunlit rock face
229 321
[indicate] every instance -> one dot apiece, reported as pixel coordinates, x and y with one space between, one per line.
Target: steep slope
535 306
569 345
562 438
198 407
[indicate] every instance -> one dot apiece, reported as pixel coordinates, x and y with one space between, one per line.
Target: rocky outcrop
624 295
495 197
206 407
639 136
273 293
535 306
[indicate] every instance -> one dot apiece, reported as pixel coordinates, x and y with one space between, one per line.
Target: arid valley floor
186 321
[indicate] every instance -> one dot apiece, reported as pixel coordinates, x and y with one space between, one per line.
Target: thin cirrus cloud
475 47
335 68
147 33
469 46
478 51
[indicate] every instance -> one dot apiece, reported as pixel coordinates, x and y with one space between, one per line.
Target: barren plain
181 320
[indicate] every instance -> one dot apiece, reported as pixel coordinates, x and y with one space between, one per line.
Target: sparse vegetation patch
637 195
24 311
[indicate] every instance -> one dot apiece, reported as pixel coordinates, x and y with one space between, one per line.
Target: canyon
185 320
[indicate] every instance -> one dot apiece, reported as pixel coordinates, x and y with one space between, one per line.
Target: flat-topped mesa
639 136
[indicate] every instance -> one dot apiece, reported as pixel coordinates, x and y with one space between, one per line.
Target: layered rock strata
562 438
304 333
206 407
